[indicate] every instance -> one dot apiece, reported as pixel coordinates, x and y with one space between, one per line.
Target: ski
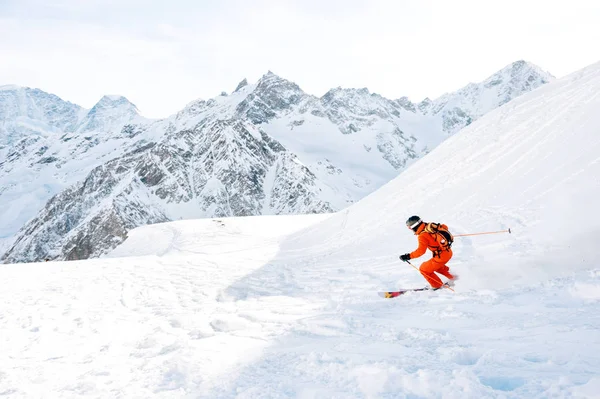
394 294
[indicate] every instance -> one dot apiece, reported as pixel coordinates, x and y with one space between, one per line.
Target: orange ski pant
436 265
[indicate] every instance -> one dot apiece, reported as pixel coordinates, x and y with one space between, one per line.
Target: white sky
163 54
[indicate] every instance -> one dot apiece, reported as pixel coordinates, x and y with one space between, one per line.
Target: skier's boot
451 282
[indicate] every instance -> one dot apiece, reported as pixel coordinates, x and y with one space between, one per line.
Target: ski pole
428 278
487 232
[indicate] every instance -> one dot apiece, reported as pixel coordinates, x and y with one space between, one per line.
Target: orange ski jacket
426 241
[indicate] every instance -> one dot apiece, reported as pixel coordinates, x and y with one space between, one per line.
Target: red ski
394 294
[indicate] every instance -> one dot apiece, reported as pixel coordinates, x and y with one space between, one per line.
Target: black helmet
413 222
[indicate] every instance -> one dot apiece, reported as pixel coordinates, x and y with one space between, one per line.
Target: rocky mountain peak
243 83
354 109
406 104
112 111
271 96
460 108
271 81
519 75
345 94
109 102
19 106
425 105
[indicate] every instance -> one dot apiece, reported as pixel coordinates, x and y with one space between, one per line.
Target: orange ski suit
437 264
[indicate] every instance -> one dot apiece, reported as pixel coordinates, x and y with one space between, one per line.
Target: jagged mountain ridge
346 144
142 186
460 108
42 153
25 111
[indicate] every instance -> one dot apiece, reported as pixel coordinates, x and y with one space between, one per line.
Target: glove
405 257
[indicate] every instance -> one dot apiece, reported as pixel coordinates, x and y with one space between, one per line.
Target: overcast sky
163 54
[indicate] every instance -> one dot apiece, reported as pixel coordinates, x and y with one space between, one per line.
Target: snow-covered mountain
287 306
47 144
459 109
26 113
179 176
267 148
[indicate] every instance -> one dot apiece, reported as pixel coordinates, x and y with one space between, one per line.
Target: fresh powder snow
287 306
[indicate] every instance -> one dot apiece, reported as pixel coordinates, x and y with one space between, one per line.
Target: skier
437 239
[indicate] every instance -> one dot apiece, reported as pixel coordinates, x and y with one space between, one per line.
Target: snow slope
286 307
